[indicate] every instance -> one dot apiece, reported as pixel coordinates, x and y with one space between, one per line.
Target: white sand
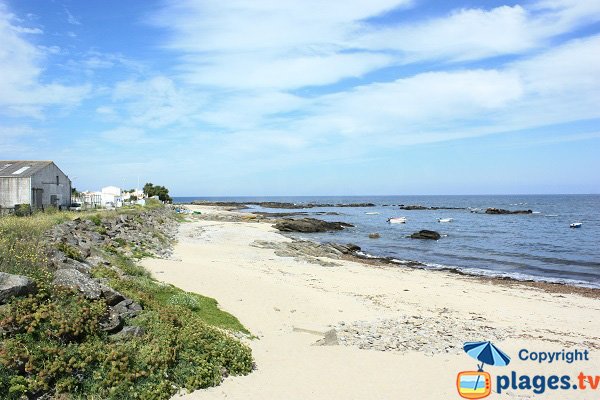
288 302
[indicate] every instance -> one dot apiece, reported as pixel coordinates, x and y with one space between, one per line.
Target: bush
22 210
52 342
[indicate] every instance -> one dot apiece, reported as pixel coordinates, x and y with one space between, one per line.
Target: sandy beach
339 329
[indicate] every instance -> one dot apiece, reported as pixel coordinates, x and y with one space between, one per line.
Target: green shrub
22 210
70 251
186 300
51 343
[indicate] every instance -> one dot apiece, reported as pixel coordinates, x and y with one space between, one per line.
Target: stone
110 295
74 279
112 322
426 234
129 332
329 339
82 267
309 225
14 285
95 261
502 211
374 235
348 248
128 308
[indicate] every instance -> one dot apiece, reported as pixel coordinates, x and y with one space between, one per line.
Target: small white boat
397 220
372 213
575 225
445 219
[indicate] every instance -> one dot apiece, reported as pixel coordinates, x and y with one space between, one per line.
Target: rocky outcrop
147 232
420 207
309 225
14 285
276 204
502 211
426 234
78 246
73 279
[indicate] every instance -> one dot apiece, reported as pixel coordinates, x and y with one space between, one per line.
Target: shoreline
368 259
337 329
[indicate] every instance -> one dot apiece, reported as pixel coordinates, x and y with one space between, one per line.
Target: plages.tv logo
478 384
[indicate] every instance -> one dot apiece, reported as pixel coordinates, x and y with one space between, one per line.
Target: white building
37 183
112 196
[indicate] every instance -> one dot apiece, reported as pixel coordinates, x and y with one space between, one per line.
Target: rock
374 235
111 296
129 332
14 285
74 279
95 261
425 234
330 339
413 207
502 211
309 225
128 308
82 267
112 322
345 248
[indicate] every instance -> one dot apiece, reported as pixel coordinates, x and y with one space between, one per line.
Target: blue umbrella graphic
487 353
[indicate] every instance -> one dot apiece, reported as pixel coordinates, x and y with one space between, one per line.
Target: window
21 170
57 179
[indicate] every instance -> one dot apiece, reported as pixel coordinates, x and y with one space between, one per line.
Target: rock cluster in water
502 211
426 234
309 225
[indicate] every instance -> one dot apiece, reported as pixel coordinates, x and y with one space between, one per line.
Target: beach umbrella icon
487 353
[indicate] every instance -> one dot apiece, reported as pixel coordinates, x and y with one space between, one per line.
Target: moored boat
575 225
397 220
445 219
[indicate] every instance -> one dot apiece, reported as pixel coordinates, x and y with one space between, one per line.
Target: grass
51 342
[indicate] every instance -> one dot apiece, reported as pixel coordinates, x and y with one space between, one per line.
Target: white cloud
21 89
469 34
71 18
156 102
267 43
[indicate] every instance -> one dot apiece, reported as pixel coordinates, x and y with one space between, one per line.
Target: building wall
46 179
14 191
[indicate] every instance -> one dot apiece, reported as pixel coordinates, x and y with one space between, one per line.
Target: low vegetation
52 343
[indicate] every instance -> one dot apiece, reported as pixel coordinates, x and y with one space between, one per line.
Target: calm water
538 246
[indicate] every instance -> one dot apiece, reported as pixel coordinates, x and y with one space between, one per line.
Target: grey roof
8 168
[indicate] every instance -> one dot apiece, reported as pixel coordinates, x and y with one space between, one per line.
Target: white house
112 196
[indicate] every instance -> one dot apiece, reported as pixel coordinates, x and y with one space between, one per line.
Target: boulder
129 332
14 285
374 235
348 248
111 296
425 234
128 308
112 322
413 207
502 211
74 279
309 225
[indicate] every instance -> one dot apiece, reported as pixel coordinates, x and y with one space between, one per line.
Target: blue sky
273 97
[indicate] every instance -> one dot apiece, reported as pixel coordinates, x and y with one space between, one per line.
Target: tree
162 192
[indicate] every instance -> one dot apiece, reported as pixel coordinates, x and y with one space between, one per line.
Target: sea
540 246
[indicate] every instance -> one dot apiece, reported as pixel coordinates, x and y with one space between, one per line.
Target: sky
306 97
